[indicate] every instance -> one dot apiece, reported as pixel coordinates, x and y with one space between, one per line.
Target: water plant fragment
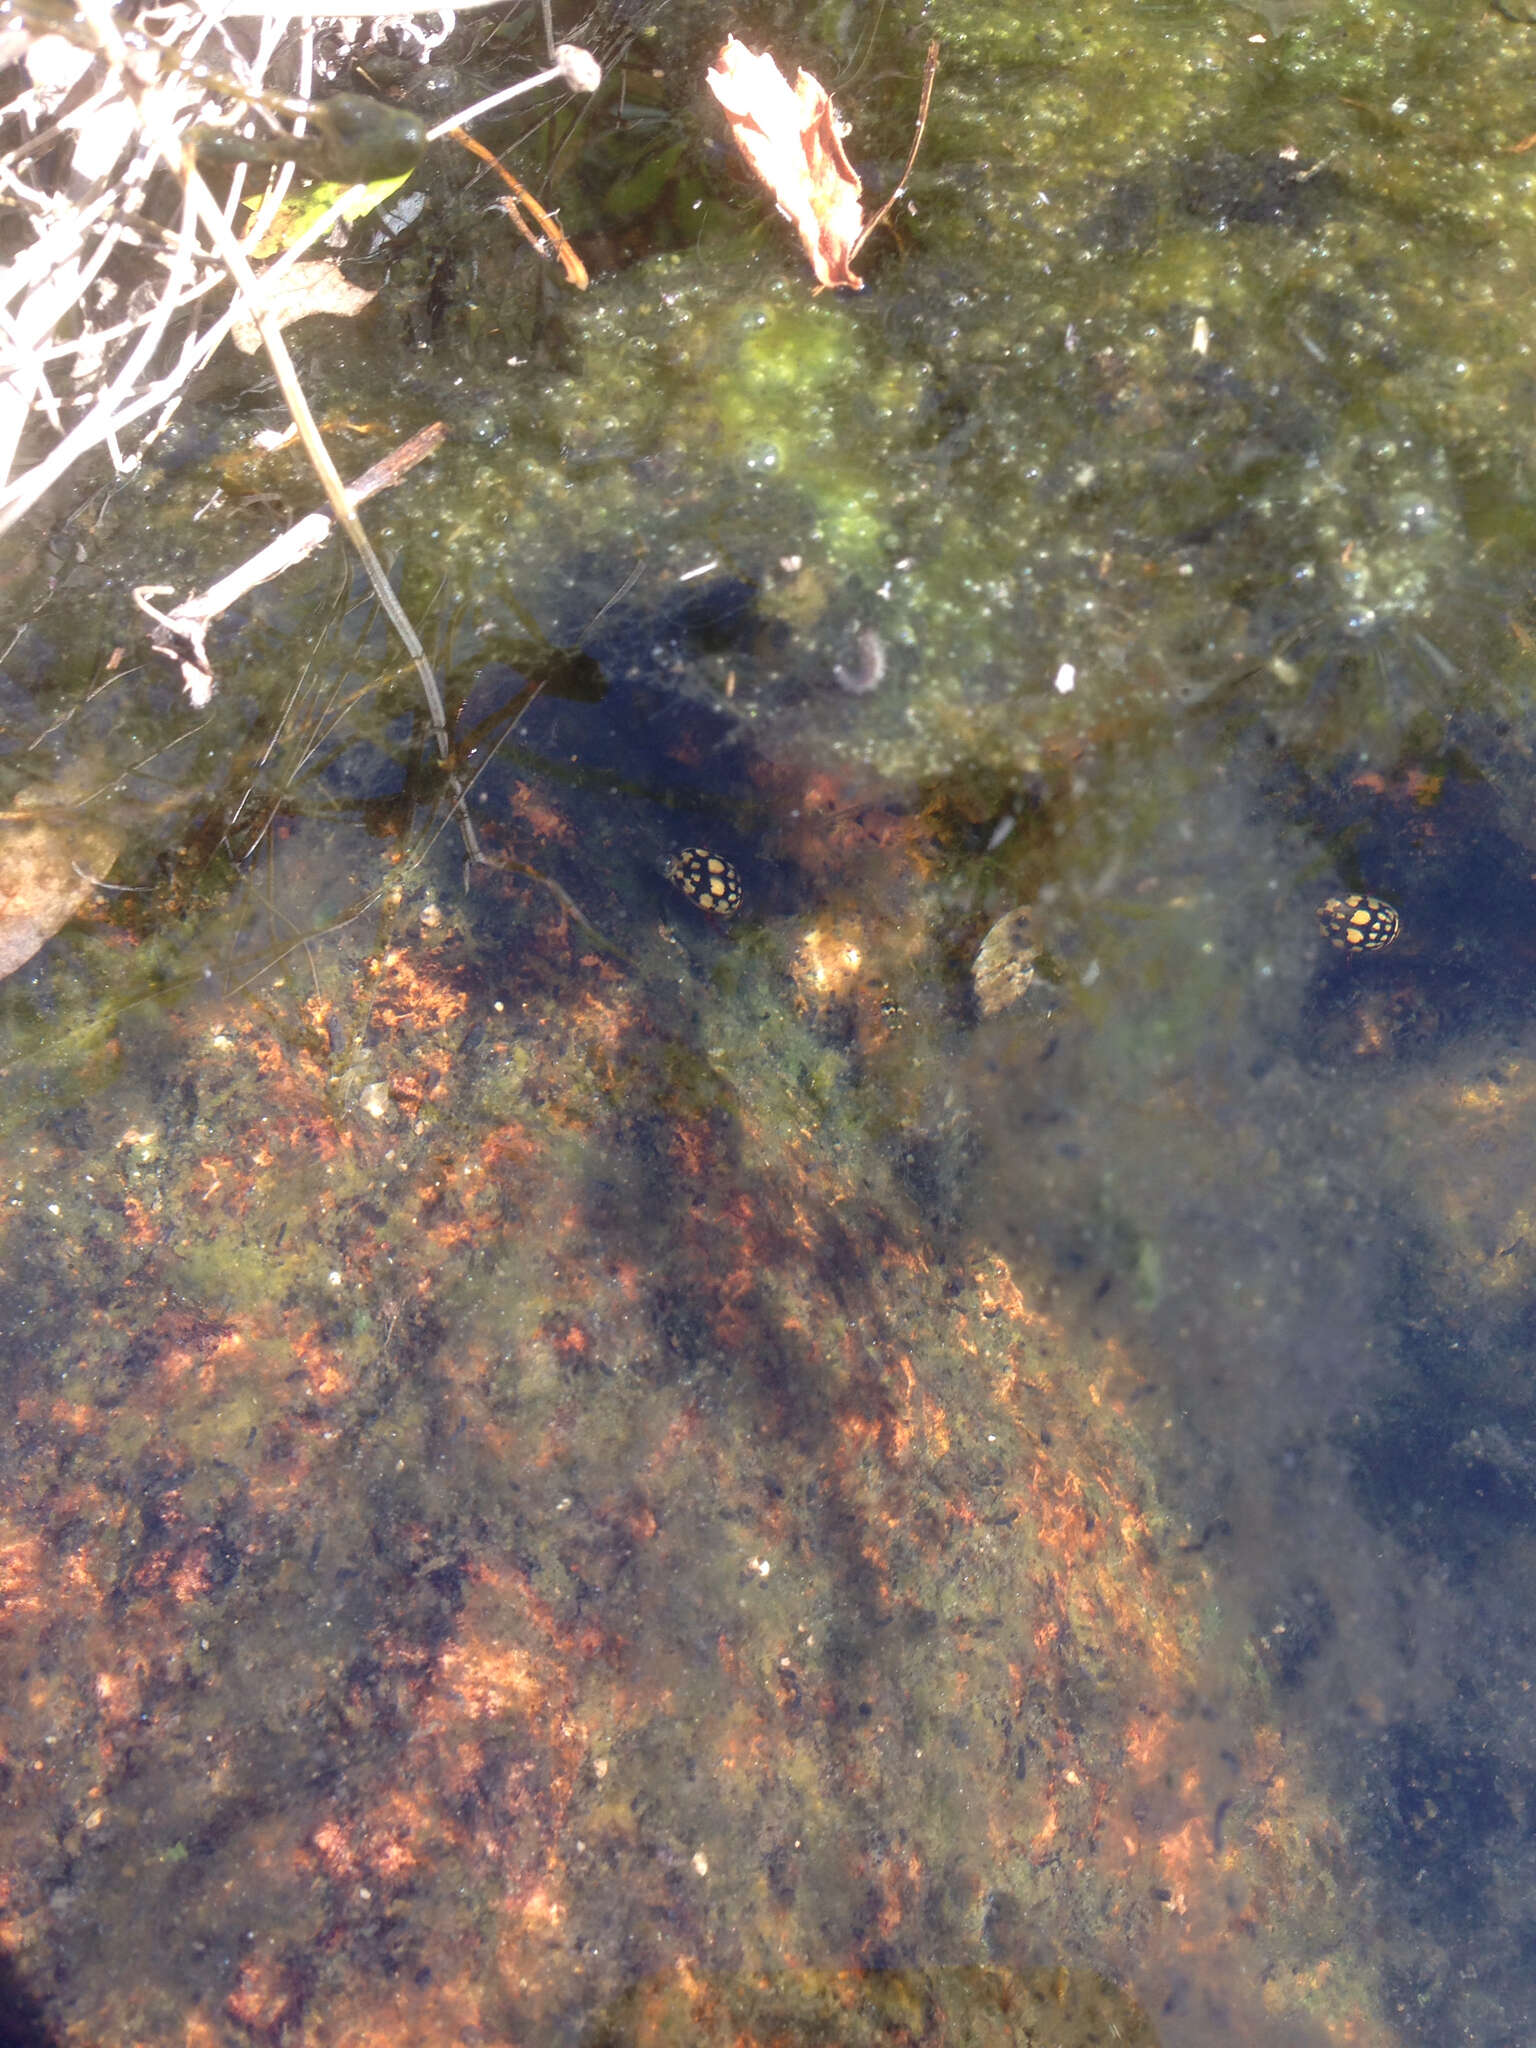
575 270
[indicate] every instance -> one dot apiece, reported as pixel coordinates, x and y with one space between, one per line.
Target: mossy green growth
1190 362
804 399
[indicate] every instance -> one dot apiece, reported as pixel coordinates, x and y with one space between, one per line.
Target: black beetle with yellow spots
707 879
1358 924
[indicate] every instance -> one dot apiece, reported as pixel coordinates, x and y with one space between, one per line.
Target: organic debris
1005 966
116 287
307 289
182 634
49 868
794 142
554 241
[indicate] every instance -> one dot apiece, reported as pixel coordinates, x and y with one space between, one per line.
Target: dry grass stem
181 634
112 300
102 295
930 72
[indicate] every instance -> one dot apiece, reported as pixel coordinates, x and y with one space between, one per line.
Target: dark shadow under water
1254 1186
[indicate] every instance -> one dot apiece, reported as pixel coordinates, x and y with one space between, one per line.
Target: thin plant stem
179 157
930 70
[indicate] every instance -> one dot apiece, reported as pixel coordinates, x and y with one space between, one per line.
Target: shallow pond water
578 1469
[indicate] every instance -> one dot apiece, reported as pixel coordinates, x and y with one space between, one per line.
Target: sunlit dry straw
92 375
143 112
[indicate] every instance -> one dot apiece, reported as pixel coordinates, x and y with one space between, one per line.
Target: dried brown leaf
49 867
794 142
307 288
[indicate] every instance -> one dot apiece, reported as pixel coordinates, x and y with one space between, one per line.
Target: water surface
565 1455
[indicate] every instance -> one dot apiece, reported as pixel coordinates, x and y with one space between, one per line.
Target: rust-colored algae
510 1518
